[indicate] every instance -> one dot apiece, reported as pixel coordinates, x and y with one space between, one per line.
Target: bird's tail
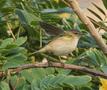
39 51
33 53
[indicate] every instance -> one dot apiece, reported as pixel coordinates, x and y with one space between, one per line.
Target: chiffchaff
64 44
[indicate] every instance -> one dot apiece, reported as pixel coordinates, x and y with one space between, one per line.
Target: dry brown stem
75 6
53 64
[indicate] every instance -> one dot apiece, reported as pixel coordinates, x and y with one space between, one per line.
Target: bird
65 42
63 45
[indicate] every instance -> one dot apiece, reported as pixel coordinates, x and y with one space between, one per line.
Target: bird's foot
62 64
49 63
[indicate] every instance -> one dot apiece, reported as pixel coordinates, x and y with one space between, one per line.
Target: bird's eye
75 32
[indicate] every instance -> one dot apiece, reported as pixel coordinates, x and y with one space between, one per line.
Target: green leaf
97 57
36 74
86 88
15 61
76 80
60 81
4 86
104 69
2 3
9 42
13 80
13 51
21 85
26 17
26 87
19 82
35 88
20 41
7 10
6 42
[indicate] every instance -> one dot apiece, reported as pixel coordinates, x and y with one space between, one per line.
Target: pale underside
62 46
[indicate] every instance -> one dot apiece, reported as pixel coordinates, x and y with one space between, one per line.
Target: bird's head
73 33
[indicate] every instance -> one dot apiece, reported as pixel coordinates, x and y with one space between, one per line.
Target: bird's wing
50 29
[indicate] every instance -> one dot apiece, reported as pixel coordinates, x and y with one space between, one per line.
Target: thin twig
75 6
10 31
56 65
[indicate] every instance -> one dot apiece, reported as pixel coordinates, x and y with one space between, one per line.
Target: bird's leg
49 63
60 60
72 54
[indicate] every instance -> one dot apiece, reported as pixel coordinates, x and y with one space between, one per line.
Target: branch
75 6
56 65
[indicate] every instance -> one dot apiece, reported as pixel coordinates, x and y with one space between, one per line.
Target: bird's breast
63 47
